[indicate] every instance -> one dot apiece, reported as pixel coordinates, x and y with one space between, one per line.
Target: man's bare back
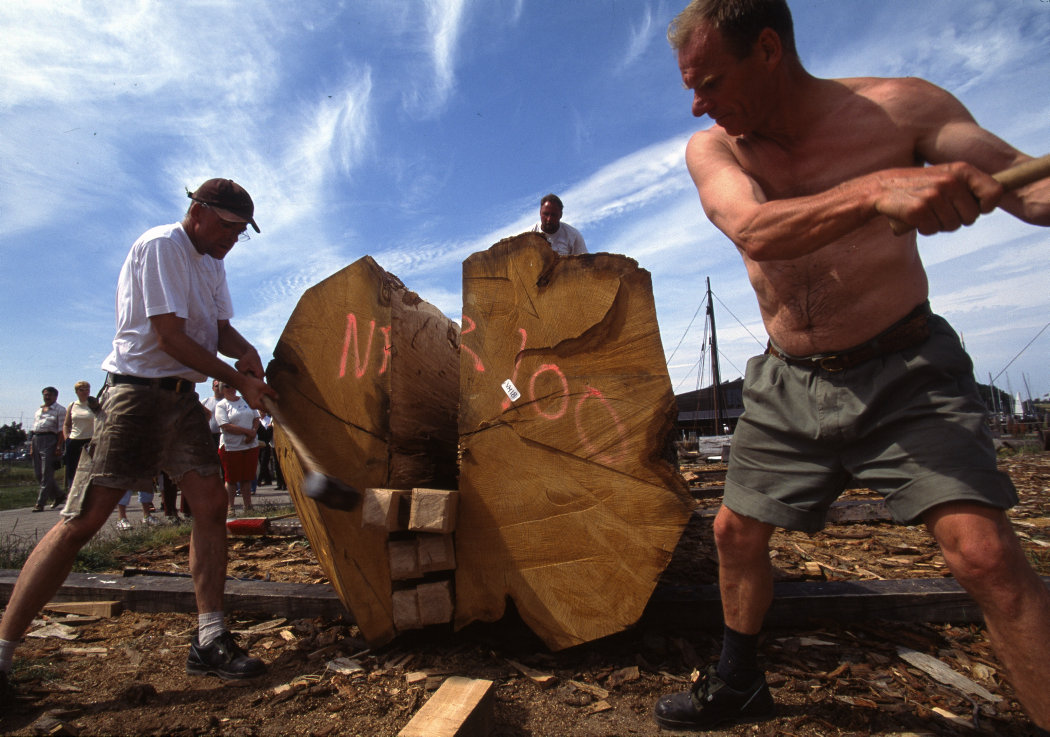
804 175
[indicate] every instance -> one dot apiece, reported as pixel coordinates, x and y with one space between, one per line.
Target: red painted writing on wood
559 404
363 357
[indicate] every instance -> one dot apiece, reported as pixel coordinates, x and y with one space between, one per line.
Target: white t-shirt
163 274
567 241
236 413
209 404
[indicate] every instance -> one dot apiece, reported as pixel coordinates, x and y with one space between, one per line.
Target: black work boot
223 658
711 702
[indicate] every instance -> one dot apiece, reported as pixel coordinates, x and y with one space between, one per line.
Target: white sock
209 626
7 654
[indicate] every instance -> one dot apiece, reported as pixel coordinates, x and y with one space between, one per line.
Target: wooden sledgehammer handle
317 485
309 462
1018 176
1013 178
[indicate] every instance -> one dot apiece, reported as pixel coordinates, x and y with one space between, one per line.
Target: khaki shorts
140 431
909 425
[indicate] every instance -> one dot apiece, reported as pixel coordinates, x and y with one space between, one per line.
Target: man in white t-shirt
173 317
564 239
209 404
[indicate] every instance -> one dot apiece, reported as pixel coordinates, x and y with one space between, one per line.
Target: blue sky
419 132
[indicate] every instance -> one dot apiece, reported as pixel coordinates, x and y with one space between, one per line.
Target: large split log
568 502
368 375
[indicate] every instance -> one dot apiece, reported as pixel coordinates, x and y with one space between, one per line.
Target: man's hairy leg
207 498
745 574
52 559
986 558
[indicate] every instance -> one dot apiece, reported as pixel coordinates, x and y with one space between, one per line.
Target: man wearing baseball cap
173 318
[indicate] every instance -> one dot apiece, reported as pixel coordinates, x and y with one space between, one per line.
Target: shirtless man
811 179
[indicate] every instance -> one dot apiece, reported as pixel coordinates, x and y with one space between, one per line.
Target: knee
740 535
989 563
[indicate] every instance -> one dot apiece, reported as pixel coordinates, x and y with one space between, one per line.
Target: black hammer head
331 492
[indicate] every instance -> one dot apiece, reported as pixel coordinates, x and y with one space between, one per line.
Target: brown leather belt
908 332
168 383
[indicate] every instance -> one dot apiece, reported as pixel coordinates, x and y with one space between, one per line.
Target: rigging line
726 359
738 321
686 332
1020 352
687 375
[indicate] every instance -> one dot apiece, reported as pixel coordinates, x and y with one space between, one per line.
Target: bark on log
368 375
569 503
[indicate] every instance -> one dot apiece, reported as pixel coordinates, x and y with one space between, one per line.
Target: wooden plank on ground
798 603
795 603
168 594
88 608
461 707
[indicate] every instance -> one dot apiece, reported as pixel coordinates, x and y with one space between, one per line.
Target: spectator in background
46 448
564 239
78 428
265 438
238 448
146 500
209 404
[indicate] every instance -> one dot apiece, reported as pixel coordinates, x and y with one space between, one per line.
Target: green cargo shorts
140 431
909 425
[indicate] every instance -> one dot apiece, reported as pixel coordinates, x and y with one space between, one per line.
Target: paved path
28 525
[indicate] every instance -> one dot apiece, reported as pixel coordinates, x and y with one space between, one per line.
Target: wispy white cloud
443 26
640 35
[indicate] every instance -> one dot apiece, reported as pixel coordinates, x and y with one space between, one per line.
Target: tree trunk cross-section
568 502
368 376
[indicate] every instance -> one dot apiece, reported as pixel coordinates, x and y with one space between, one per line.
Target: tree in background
12 436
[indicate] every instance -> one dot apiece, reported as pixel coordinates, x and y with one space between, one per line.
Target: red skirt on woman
239 465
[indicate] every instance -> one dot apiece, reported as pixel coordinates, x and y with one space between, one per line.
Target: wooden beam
799 603
461 707
168 594
795 603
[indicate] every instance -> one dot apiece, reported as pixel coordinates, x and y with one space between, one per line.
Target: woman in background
79 427
238 448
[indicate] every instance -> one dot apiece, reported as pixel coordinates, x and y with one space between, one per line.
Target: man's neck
798 99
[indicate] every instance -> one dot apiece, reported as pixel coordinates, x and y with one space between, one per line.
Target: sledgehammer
318 485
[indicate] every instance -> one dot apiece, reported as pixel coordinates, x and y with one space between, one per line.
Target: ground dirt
125 675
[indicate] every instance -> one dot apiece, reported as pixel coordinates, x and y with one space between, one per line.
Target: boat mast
716 386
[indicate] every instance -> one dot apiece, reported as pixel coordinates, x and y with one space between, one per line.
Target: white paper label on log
512 391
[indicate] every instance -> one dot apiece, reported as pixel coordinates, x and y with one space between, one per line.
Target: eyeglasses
242 236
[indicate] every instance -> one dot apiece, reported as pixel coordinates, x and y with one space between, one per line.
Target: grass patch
105 550
18 497
18 486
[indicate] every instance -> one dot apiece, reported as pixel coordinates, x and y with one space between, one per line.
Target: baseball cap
229 200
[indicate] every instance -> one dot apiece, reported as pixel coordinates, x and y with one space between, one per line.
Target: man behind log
173 314
860 379
564 239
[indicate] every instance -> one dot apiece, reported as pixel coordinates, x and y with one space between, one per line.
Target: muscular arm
921 122
930 199
171 332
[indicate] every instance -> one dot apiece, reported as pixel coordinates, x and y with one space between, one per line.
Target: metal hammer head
331 492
